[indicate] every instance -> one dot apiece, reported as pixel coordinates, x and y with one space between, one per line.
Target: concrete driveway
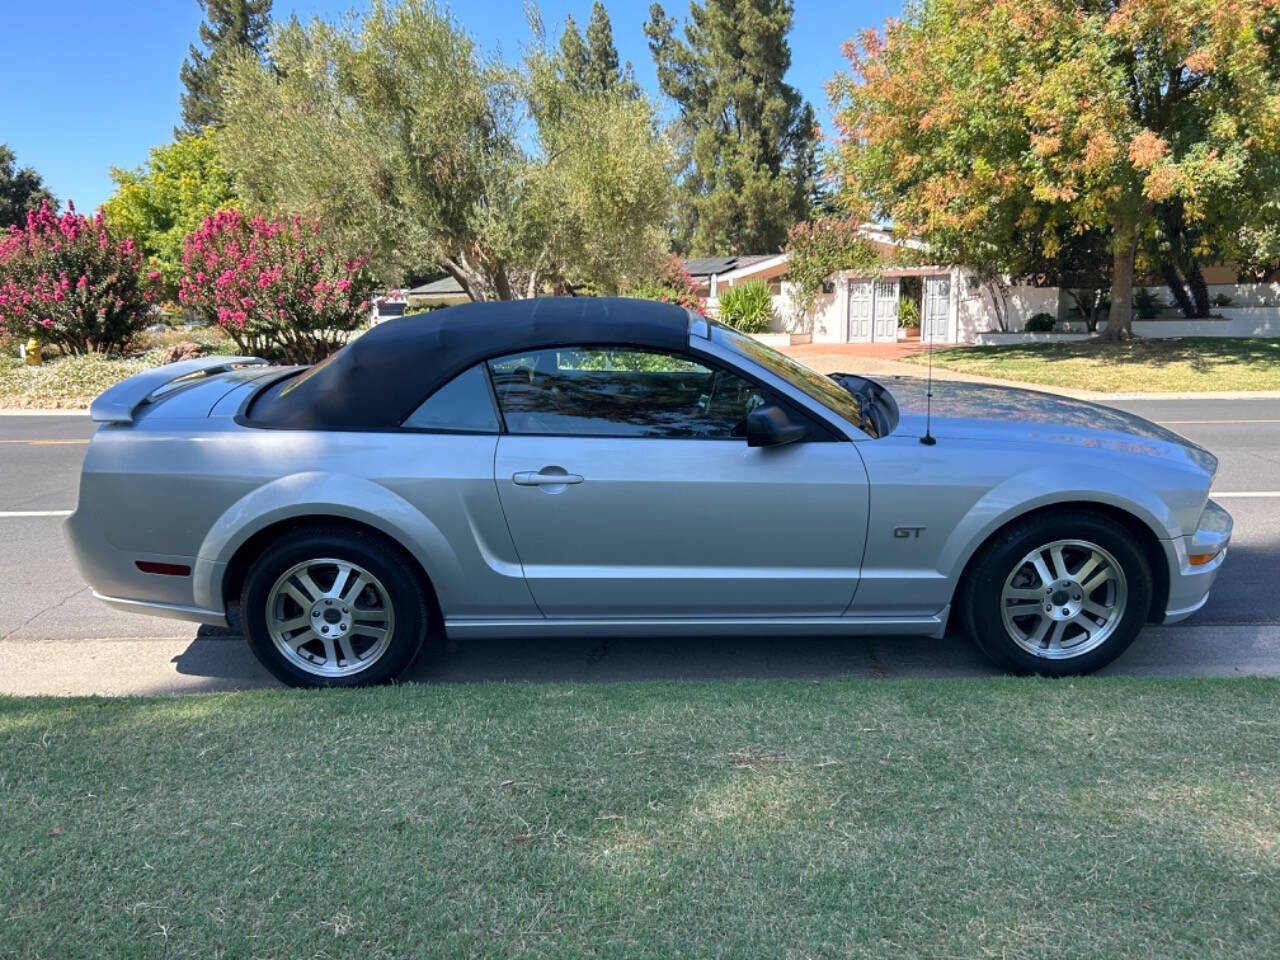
58 640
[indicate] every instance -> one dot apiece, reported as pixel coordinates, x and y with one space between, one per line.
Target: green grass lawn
984 818
1188 363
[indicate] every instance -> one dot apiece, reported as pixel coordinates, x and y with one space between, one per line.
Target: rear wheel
334 608
1058 594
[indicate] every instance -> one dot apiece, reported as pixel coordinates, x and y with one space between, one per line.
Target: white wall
1236 322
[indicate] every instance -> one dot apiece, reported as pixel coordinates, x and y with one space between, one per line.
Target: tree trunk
1120 318
1173 281
1199 290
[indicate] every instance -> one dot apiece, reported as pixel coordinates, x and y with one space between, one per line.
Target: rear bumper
171 611
115 579
1189 583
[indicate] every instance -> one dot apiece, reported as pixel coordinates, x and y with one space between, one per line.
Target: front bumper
1189 583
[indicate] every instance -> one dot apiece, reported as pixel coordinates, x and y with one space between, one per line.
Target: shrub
1039 323
747 307
1222 300
66 281
671 285
1148 304
909 314
275 286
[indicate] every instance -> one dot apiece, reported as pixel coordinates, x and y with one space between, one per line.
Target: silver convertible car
621 467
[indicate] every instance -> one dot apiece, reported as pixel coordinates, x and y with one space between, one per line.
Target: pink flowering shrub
275 286
671 285
66 281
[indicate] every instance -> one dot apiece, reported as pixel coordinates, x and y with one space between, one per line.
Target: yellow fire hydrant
33 352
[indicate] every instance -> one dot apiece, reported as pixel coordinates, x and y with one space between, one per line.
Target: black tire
395 573
980 597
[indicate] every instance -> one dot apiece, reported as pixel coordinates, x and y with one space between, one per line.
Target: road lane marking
44 443
6 514
1184 422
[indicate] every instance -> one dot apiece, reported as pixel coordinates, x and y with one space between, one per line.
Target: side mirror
770 426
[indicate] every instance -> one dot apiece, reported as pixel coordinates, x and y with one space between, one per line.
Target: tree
970 122
395 130
275 286
159 205
749 137
21 191
66 282
820 248
231 28
592 66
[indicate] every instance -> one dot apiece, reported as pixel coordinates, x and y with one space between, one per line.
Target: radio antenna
928 439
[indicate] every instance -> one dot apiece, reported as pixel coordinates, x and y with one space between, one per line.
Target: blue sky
89 84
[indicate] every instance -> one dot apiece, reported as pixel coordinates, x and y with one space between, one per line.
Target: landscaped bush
1039 323
1222 300
672 285
908 314
67 282
1148 304
747 307
275 286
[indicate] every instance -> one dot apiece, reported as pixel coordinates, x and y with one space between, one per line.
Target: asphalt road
58 639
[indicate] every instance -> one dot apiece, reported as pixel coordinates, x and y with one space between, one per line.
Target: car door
630 492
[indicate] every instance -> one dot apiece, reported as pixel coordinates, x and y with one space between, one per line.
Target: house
855 307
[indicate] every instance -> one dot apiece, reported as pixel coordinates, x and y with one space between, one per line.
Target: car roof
381 377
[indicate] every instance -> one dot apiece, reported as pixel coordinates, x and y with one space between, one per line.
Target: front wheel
1058 594
334 608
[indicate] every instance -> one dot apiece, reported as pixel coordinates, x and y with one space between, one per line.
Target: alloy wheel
1063 599
331 618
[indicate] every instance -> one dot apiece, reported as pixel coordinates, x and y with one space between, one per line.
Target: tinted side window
463 404
619 392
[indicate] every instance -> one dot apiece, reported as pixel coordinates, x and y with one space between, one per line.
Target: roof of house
706 266
444 287
364 385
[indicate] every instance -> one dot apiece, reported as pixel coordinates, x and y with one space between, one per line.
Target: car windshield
822 389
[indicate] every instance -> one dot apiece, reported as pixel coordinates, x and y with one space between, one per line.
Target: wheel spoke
1099 578
297 623
375 633
302 639
1025 610
1085 624
354 589
1059 564
348 653
298 597
1042 628
330 655
1023 593
1056 635
1042 571
1097 609
339 581
376 615
1087 567
308 586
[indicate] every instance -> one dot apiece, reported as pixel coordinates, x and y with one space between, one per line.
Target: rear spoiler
119 403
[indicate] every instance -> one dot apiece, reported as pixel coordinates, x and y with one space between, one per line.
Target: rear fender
330 495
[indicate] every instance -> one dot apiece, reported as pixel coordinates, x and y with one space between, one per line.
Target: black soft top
381 377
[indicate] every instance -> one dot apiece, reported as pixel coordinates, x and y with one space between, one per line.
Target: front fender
1044 487
328 495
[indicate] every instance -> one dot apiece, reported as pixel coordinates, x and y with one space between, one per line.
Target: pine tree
573 61
750 137
230 26
593 65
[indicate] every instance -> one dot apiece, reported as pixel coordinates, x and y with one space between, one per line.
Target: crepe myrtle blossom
67 280
275 286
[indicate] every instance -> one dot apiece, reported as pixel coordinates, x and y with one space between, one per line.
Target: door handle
546 477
